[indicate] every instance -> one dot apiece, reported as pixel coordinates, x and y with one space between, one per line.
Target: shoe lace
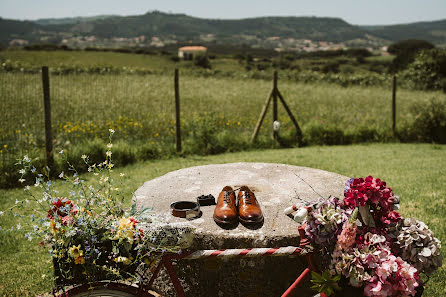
247 198
227 198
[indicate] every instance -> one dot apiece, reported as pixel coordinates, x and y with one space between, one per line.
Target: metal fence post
177 111
47 110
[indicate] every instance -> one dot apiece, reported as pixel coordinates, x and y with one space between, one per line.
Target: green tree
202 61
428 70
405 52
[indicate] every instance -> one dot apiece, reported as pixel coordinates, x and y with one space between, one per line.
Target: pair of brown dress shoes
246 208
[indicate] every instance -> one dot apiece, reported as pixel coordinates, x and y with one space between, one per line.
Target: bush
429 124
406 51
202 61
427 71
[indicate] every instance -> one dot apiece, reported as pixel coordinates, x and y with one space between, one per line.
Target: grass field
415 172
149 101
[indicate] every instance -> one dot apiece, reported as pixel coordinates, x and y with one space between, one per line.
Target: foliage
429 122
89 235
406 51
428 70
325 282
202 61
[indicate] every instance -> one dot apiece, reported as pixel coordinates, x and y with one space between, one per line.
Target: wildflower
123 260
61 152
26 159
79 260
109 145
75 251
111 131
61 174
108 153
19 227
28 236
27 189
22 171
21 180
121 174
84 157
17 201
2 213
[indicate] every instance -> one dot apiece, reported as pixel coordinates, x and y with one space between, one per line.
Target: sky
357 12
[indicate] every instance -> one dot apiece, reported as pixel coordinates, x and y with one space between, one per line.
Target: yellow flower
76 252
125 229
123 260
53 227
79 260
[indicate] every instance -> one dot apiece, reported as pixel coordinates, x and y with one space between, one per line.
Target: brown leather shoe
225 211
248 207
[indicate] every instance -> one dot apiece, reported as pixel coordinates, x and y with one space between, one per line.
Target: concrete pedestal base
276 187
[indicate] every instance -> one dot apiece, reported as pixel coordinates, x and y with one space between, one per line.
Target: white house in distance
189 52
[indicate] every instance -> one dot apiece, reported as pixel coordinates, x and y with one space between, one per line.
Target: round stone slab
276 186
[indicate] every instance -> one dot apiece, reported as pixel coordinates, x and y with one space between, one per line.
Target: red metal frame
167 262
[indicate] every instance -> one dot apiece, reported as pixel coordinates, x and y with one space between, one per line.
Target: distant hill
161 29
75 20
434 32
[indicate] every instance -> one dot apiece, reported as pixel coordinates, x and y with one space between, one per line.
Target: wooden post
262 116
275 133
47 109
177 111
293 119
394 107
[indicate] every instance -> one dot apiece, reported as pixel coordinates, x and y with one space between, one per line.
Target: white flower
22 171
26 201
37 184
111 131
17 201
21 180
61 152
121 174
108 153
19 227
61 174
2 213
26 158
27 188
109 145
84 157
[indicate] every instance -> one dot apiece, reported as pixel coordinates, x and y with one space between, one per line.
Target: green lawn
415 172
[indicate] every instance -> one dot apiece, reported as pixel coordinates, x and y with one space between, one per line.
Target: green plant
88 233
430 121
325 282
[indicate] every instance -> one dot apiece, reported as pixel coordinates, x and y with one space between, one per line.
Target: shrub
202 61
429 124
406 51
428 70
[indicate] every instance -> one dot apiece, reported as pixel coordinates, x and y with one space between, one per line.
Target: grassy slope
416 172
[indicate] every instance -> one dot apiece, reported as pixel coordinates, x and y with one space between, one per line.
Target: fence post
275 133
47 110
177 111
394 107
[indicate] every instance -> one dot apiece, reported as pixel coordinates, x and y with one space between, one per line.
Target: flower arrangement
87 231
371 247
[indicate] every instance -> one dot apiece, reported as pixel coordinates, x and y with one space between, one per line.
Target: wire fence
217 114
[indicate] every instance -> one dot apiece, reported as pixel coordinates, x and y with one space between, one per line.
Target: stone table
276 187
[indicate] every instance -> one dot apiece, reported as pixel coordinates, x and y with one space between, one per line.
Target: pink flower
347 237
